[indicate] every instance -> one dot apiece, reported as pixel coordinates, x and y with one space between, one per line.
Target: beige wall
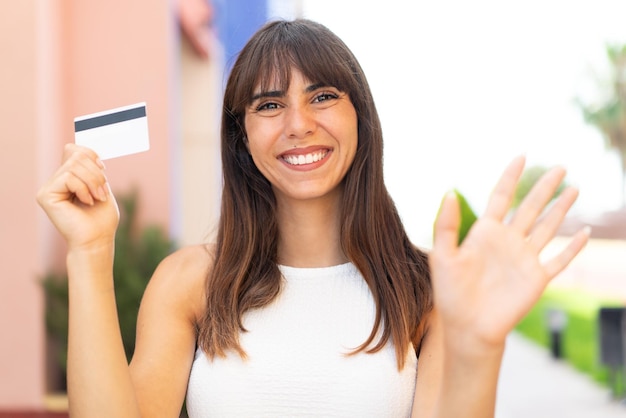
21 361
61 59
120 52
200 174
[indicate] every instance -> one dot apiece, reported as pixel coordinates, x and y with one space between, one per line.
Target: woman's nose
300 122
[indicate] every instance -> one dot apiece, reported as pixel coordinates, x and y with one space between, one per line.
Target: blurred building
63 59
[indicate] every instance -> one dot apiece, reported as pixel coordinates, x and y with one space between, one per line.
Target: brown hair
245 274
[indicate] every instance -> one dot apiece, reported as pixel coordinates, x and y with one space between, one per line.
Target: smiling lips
303 159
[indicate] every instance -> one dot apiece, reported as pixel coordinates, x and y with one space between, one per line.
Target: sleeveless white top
297 364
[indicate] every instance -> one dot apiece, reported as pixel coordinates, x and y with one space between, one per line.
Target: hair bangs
307 49
273 70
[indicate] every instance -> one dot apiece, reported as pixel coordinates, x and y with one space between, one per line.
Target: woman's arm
454 380
78 201
429 368
97 370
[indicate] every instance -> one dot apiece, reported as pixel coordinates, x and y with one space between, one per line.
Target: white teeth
304 159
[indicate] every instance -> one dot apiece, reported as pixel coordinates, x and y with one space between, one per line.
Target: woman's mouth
303 159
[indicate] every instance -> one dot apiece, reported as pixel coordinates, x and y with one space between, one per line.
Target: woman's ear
245 142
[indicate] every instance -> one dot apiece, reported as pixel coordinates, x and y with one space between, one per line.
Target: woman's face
302 140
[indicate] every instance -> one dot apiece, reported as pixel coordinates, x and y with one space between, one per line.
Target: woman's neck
309 232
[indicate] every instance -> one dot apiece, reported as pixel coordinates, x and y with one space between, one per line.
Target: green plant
468 217
137 254
580 336
526 182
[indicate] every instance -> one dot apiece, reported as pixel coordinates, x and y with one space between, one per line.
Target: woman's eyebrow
316 86
264 94
281 93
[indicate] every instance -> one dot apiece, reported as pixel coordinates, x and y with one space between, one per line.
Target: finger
535 202
546 229
71 149
555 265
92 176
78 188
446 231
502 195
81 176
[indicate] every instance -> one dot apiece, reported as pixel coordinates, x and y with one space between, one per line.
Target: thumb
446 228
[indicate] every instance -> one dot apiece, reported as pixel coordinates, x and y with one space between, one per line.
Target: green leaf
468 217
527 181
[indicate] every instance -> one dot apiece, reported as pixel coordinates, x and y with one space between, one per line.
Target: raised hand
78 201
486 285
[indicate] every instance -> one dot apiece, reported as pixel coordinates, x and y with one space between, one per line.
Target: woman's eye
325 96
267 106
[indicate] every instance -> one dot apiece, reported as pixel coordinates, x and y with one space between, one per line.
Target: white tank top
297 364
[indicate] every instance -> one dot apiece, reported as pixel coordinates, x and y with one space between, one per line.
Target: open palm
487 284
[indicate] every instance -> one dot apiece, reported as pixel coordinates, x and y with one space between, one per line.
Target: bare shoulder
181 277
192 260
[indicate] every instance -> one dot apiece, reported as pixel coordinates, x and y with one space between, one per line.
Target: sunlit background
462 87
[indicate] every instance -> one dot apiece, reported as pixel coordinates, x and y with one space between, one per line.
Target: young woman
313 301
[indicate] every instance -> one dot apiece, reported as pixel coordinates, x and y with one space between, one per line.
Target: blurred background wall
62 59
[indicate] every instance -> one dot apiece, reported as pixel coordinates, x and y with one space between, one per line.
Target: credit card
115 132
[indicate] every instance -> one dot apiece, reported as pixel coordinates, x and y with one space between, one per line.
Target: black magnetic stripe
121 116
